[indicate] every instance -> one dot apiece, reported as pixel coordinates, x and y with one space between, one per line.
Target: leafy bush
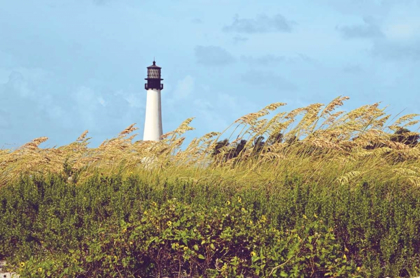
110 226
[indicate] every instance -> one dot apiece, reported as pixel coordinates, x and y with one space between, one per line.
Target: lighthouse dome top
154 66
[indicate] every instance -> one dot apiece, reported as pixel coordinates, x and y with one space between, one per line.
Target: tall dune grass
320 142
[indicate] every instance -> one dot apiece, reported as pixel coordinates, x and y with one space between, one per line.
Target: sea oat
128 130
81 137
333 105
397 124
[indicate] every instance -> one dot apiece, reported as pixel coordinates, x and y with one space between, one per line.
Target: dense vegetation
132 228
334 195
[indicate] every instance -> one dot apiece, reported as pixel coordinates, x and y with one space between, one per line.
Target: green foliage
112 226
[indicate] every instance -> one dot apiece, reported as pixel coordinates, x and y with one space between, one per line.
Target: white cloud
4 119
239 39
228 101
395 50
19 85
84 96
134 99
261 24
267 79
403 30
102 101
55 112
352 68
86 103
184 87
209 115
265 60
369 29
213 56
202 104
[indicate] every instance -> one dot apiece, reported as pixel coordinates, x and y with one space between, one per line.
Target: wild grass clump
317 141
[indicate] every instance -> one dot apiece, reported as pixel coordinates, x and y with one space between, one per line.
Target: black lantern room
153 78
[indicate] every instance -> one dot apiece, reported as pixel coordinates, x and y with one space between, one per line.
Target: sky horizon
71 66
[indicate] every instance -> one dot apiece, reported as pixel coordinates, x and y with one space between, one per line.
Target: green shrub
125 227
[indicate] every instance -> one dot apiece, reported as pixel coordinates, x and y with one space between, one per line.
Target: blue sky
71 65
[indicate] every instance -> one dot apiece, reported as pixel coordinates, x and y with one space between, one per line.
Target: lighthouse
153 119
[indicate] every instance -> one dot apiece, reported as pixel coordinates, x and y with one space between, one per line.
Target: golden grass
332 147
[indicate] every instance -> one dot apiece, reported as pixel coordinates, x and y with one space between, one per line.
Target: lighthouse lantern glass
154 73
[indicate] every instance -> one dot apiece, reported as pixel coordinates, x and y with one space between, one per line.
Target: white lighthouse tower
153 120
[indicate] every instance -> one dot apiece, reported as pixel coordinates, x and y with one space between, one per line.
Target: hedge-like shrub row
115 227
